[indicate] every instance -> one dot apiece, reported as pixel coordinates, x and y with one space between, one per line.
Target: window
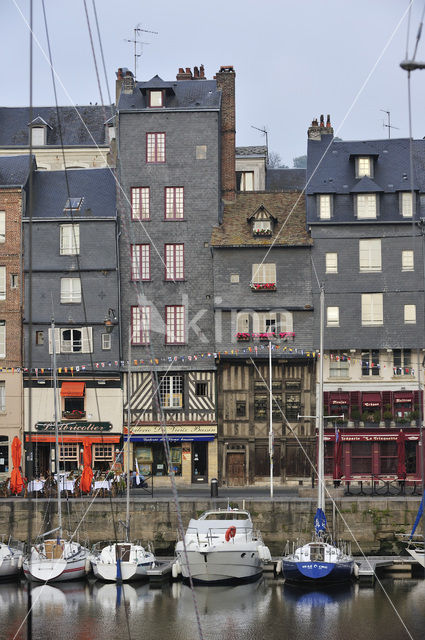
265 322
69 239
70 290
325 206
156 99
174 203
39 337
73 204
2 339
402 359
372 309
339 366
2 226
38 138
2 396
140 262
370 363
406 204
332 316
103 456
201 152
234 278
13 280
155 147
260 407
293 406
174 321
171 392
140 203
106 340
140 324
201 389
240 409
366 205
407 260
409 314
370 255
2 283
261 227
388 457
242 322
174 261
68 451
361 457
245 180
331 262
264 273
364 167
72 340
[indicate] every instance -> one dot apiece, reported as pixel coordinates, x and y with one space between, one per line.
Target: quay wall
372 522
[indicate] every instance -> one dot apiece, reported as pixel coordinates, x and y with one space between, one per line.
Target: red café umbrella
87 475
16 481
338 456
401 456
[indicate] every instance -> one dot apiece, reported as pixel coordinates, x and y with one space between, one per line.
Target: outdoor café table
67 485
35 485
102 484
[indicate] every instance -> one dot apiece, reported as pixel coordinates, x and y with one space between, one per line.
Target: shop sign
371 404
74 427
339 402
174 429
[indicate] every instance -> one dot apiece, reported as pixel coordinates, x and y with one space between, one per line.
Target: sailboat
319 561
123 561
415 542
11 556
56 558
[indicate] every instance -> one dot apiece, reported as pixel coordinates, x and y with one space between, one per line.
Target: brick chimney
226 83
184 75
316 131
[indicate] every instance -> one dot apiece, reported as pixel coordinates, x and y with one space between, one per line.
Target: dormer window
156 98
38 136
244 180
262 227
364 167
73 204
406 204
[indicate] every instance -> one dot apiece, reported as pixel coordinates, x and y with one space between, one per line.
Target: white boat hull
10 562
233 565
418 555
134 567
71 565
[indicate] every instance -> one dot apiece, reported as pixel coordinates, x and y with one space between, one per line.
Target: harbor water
264 610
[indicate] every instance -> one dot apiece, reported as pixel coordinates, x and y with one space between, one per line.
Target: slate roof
14 170
336 172
95 186
251 151
14 121
235 229
285 179
185 94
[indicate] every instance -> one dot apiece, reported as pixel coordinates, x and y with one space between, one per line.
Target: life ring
230 533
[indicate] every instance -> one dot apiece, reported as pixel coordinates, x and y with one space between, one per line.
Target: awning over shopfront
403 396
339 398
371 400
36 437
73 389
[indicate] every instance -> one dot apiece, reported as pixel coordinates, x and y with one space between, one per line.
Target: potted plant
364 418
388 415
355 414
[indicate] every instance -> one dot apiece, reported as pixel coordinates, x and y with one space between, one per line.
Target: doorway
235 469
41 459
199 462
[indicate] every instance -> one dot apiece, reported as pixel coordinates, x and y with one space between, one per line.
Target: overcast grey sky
293 60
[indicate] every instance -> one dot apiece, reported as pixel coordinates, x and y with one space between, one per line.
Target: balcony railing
75 414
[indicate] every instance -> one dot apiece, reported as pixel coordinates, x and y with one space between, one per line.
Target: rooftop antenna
388 125
265 132
137 42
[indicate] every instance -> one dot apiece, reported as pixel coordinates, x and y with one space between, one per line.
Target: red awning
339 398
73 389
77 438
371 400
403 396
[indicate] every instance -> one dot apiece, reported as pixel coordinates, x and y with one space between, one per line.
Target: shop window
4 454
240 409
103 456
201 388
361 457
69 456
293 406
199 461
411 448
176 459
171 392
388 457
260 407
144 457
402 360
329 458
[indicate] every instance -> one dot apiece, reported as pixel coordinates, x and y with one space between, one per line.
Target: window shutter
242 323
2 283
87 339
57 341
366 309
256 318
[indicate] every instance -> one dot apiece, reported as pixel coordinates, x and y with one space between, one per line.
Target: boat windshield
317 553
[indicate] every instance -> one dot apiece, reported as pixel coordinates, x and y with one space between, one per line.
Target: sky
293 60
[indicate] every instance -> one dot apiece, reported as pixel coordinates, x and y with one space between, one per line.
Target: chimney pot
322 121
195 72
328 121
202 71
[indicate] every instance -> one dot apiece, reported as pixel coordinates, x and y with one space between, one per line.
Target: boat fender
20 561
264 553
87 565
355 570
175 570
279 566
230 533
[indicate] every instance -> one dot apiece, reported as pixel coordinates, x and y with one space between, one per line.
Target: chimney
184 75
118 84
316 131
202 72
226 83
195 73
128 82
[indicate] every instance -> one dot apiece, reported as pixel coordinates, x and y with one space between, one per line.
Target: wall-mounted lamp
110 320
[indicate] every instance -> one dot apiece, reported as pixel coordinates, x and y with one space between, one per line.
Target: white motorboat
221 547
120 562
11 556
56 559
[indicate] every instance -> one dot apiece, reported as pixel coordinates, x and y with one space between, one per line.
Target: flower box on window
266 336
263 286
73 415
243 336
262 232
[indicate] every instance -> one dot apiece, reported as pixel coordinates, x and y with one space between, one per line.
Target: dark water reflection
265 610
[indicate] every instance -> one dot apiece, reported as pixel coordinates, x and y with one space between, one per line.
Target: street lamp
110 320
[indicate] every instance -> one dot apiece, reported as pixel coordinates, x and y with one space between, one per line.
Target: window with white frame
264 273
140 324
370 363
261 226
174 203
410 314
69 451
407 260
372 309
38 136
171 391
2 283
103 452
156 98
2 226
245 180
106 341
75 340
364 167
272 322
69 239
339 365
140 203
70 290
174 261
201 152
402 362
242 322
370 255
174 324
2 395
325 206
406 204
366 205
155 147
2 339
332 316
331 262
140 262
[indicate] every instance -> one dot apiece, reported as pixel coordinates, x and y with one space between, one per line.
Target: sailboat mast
127 531
320 462
55 404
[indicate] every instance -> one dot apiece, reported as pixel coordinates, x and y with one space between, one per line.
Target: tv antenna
138 29
388 125
265 132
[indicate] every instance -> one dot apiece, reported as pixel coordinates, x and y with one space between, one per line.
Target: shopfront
339 404
193 451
